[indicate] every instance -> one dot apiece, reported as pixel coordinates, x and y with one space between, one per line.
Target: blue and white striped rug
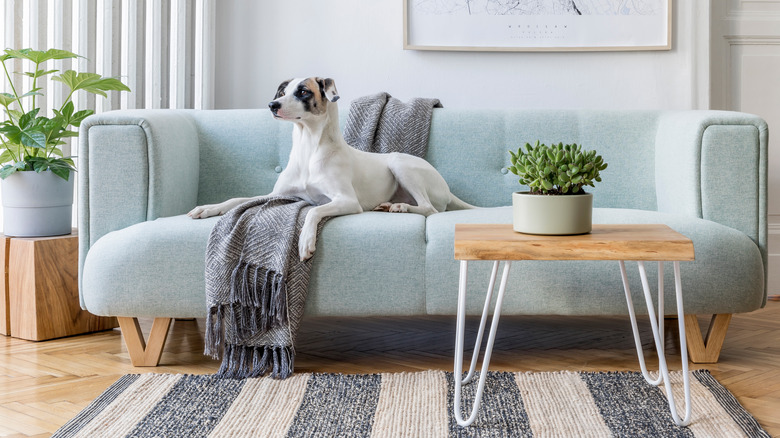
565 404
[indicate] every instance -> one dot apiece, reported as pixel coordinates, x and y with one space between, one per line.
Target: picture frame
525 26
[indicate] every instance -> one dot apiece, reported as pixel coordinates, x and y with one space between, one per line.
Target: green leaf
6 156
60 167
79 117
90 82
15 114
28 118
54 123
66 133
67 110
7 99
12 132
7 171
62 173
33 139
38 73
38 56
42 72
40 165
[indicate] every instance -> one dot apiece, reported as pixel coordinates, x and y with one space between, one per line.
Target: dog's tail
458 204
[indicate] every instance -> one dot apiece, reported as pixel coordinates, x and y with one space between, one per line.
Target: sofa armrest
713 165
134 166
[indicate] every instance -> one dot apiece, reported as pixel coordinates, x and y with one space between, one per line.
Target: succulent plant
557 169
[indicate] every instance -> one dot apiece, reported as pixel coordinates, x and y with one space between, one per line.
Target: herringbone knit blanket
256 287
382 123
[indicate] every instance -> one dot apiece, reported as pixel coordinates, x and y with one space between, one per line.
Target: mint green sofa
704 173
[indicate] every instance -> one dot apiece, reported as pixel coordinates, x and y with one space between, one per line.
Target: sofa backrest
470 149
241 153
246 149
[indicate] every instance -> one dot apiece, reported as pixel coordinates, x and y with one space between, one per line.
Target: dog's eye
304 93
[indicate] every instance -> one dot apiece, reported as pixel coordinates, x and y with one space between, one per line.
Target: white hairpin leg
460 334
656 323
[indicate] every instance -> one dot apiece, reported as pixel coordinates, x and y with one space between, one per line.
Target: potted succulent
37 190
555 204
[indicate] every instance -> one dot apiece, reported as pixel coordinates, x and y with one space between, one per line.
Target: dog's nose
274 105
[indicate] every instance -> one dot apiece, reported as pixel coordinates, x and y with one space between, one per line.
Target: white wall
746 68
360 45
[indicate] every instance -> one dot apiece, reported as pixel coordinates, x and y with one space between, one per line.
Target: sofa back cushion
243 151
470 149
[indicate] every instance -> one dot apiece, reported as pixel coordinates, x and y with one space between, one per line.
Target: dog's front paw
306 245
385 206
392 208
204 211
399 208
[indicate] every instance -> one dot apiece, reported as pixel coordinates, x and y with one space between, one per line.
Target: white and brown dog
325 171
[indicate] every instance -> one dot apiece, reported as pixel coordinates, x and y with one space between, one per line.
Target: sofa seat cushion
149 269
713 282
366 264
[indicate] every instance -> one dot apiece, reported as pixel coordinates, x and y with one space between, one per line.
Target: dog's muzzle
274 106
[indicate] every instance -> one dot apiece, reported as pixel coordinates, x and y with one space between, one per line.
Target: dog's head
299 99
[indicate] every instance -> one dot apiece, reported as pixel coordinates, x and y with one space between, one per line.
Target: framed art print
537 25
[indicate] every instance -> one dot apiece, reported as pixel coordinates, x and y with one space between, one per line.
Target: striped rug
562 404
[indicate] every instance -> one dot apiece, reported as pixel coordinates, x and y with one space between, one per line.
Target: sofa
703 173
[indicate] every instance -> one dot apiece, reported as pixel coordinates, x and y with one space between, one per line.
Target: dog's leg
339 206
385 206
204 211
421 182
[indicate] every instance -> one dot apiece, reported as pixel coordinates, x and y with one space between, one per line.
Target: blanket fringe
257 304
241 362
260 295
215 334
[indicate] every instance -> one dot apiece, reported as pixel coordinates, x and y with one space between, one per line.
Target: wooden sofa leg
706 350
143 354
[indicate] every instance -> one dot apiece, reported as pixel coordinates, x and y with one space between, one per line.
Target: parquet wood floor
44 384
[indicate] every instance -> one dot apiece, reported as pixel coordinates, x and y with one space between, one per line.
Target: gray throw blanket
256 285
382 123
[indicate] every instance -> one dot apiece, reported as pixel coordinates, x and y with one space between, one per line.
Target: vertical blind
162 49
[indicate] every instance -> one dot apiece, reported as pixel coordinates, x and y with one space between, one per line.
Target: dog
337 178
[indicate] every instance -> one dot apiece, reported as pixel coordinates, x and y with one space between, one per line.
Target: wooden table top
648 242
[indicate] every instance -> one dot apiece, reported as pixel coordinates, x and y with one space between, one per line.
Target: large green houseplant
555 175
37 189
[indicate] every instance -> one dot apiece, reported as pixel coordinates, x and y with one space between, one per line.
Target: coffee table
639 242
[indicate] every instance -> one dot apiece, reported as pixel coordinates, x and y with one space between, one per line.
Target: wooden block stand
40 296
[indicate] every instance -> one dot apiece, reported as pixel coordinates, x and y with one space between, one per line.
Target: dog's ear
280 90
328 88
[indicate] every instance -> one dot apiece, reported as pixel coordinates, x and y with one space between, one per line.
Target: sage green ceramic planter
37 204
552 214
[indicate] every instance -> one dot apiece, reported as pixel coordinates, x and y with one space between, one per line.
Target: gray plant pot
37 205
552 214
